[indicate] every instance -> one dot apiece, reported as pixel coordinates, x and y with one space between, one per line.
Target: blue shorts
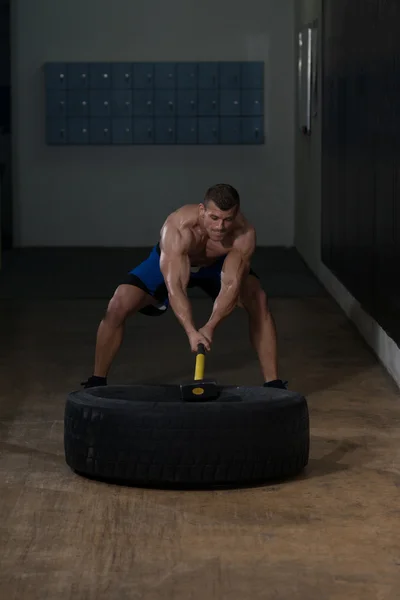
148 277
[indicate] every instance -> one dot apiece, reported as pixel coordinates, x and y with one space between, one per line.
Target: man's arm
175 266
236 267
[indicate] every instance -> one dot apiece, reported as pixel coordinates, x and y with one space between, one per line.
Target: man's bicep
174 259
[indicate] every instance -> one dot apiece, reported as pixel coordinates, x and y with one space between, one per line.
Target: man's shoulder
244 228
176 229
183 214
245 238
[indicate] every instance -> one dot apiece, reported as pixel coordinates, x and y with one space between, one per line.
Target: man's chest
202 254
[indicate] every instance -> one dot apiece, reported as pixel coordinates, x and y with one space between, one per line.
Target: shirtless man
209 245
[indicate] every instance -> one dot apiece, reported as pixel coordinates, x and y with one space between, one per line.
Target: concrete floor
331 534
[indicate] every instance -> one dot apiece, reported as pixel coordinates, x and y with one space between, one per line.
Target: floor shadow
187 487
330 462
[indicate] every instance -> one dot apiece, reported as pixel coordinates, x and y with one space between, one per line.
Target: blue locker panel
77 103
187 76
143 76
208 76
229 75
100 103
56 131
122 131
230 104
230 130
143 103
100 76
187 103
252 75
56 103
164 103
186 130
252 102
100 130
208 103
122 103
165 130
190 102
78 76
143 131
252 130
165 75
122 76
78 131
208 130
55 75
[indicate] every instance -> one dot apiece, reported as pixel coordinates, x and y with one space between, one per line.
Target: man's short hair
223 195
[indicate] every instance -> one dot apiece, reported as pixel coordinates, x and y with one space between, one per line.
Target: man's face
217 223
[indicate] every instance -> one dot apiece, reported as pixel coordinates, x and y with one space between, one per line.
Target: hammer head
199 390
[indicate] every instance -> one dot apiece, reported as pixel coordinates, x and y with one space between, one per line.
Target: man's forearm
224 304
182 308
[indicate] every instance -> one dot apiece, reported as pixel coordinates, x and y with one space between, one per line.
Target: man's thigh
148 277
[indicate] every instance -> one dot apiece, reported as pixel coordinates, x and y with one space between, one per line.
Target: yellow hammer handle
200 362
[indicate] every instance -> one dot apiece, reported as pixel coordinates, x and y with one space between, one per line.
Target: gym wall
308 157
120 195
346 222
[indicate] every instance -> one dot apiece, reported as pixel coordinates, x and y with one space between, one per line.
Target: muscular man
209 245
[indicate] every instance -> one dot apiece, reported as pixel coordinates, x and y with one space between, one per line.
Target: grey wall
4 43
5 160
308 160
120 196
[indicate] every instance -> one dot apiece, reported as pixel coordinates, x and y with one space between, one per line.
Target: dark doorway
361 154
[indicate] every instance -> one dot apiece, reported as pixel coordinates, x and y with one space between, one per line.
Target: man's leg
261 323
142 283
261 328
126 301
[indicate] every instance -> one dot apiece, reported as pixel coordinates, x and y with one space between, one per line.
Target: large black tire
147 435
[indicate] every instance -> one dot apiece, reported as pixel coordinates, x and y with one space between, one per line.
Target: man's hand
197 338
207 332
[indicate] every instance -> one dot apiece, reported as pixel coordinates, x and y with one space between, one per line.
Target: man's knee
256 304
124 301
254 300
259 301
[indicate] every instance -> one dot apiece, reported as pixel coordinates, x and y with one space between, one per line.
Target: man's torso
203 251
